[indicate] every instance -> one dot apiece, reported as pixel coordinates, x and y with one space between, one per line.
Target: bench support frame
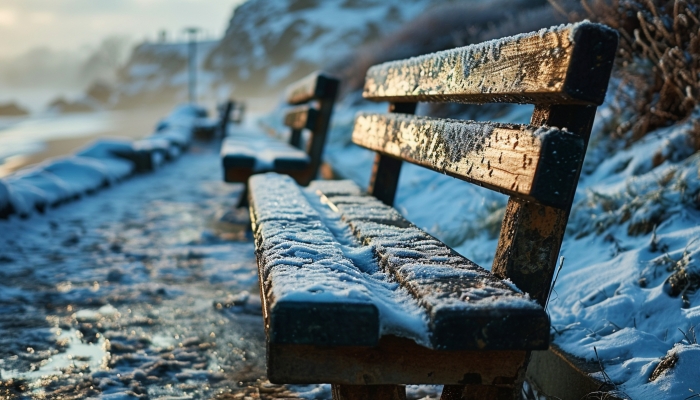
386 169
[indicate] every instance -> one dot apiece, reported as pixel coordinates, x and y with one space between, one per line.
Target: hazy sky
71 24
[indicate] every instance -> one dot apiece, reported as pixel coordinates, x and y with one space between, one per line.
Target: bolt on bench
245 154
355 295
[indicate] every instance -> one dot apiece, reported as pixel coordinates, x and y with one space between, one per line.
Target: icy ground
139 291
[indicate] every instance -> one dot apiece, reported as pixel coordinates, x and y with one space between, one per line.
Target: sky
69 25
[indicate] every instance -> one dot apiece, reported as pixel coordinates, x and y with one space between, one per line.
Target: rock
63 106
12 109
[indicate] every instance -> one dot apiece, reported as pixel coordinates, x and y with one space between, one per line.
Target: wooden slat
394 361
564 64
386 170
301 267
261 154
538 164
468 308
243 155
301 117
315 86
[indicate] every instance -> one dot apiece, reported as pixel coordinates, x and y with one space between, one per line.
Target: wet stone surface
145 290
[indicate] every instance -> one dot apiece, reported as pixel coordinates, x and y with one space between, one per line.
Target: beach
29 140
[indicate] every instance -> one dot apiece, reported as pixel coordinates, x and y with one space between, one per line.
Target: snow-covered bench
95 166
242 155
355 295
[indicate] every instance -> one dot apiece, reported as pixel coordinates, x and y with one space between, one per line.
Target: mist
42 73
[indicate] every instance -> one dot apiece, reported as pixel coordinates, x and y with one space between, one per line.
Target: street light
192 63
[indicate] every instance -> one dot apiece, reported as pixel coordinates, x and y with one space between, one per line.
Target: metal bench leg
368 392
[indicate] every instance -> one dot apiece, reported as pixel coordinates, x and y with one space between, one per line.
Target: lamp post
192 63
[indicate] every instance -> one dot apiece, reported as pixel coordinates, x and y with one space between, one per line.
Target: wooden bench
229 111
245 154
355 295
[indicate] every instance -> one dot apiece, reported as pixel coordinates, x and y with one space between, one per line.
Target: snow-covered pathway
137 291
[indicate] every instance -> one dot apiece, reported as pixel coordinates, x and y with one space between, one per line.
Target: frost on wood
301 117
532 67
315 86
261 154
318 252
534 163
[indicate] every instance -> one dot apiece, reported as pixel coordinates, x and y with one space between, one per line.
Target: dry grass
658 63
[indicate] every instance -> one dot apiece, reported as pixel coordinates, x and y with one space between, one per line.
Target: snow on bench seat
143 155
329 244
243 155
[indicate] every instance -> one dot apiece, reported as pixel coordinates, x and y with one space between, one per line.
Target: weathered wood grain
386 170
394 361
537 164
564 64
468 307
301 117
531 234
315 86
294 249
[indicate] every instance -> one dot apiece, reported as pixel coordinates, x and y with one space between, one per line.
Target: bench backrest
237 112
564 71
313 97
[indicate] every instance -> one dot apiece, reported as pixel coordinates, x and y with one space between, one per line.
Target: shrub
658 63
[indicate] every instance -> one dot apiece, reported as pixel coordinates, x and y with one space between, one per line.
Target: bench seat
245 154
338 268
311 102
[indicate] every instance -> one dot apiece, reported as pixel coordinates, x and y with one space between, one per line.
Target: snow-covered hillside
271 42
268 44
157 71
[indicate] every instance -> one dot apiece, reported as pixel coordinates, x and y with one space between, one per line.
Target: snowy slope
268 44
160 70
271 42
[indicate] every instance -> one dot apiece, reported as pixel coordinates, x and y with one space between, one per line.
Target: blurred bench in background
243 154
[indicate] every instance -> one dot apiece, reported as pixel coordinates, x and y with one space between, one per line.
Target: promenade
143 290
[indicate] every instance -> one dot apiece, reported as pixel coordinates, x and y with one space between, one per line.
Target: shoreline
130 124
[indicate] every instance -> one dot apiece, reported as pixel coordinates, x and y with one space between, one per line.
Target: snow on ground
628 285
140 289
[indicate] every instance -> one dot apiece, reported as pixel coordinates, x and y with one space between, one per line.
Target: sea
30 139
